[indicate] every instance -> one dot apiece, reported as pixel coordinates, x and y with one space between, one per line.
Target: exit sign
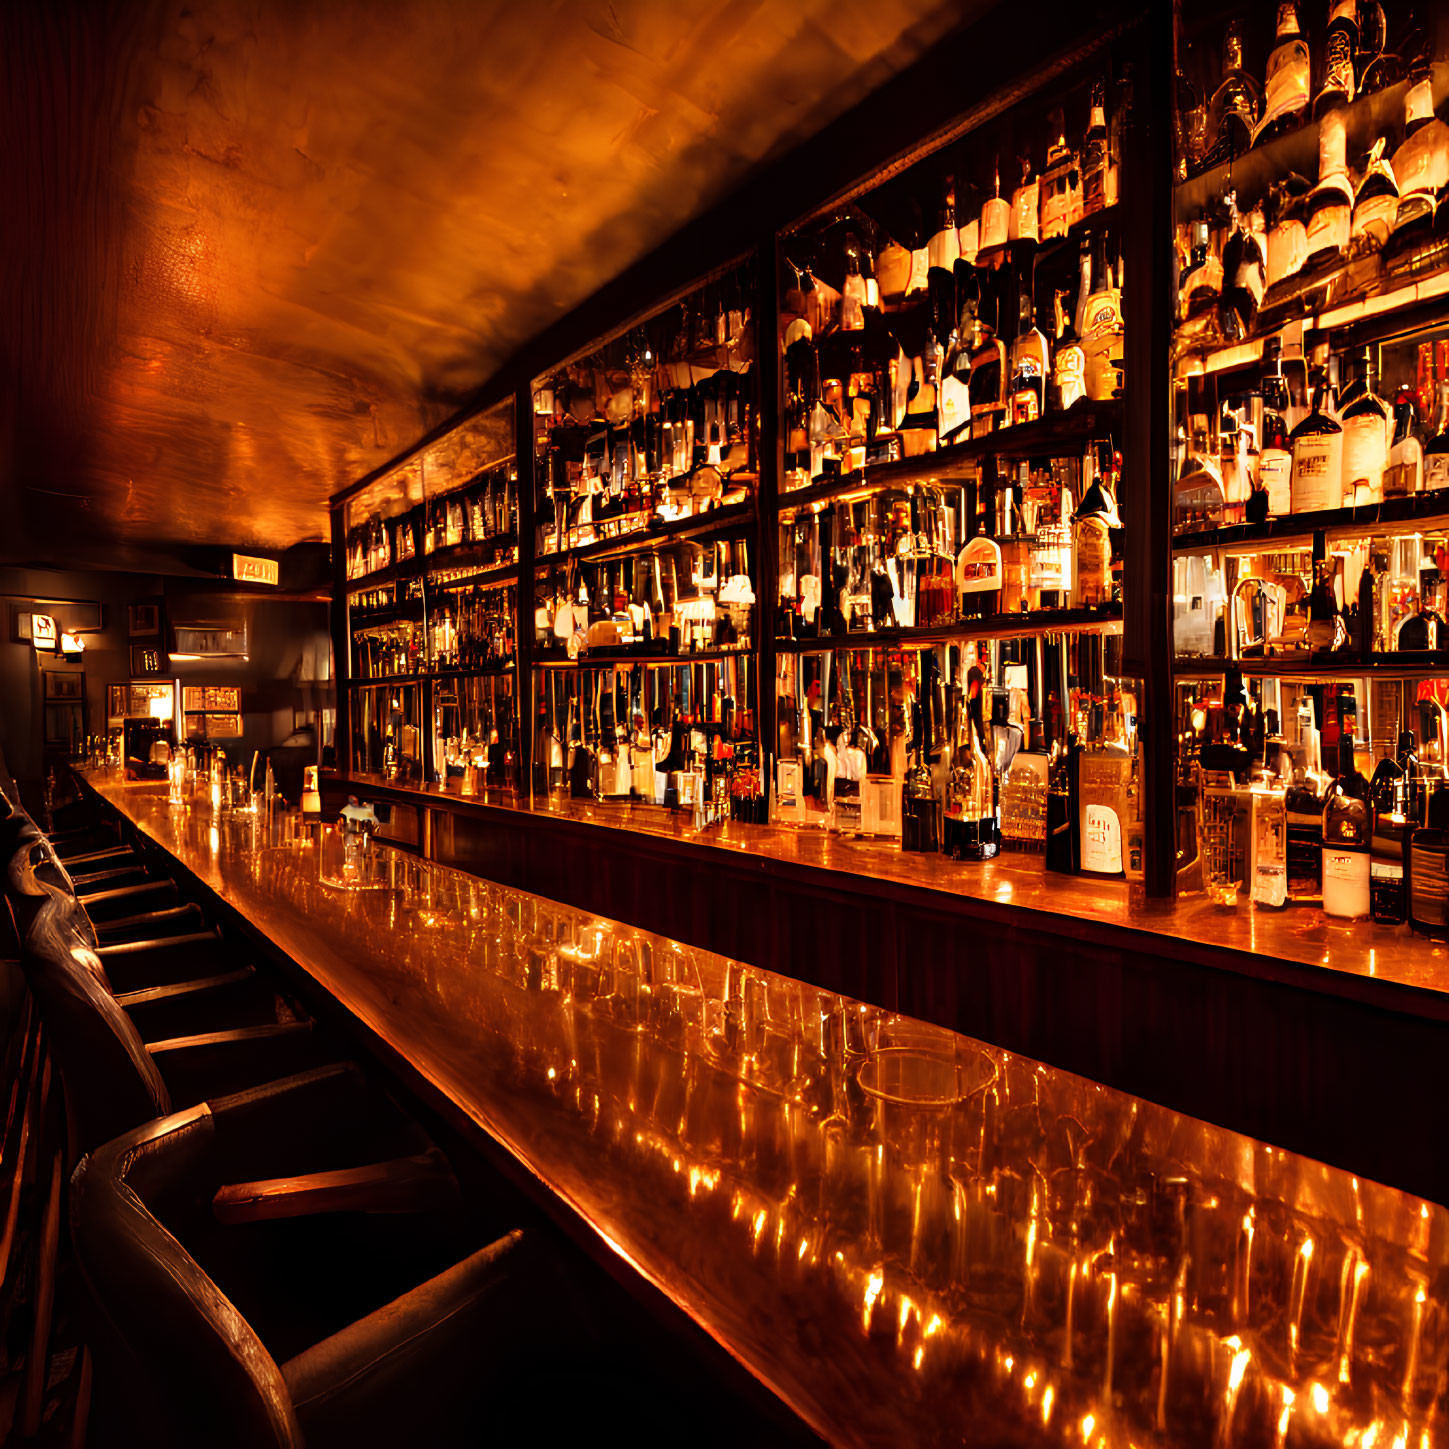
248 570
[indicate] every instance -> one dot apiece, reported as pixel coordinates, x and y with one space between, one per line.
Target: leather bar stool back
174 1358
111 1081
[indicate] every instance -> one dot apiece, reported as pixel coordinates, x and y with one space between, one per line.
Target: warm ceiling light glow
160 707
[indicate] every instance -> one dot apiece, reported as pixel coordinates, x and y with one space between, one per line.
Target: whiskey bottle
1375 203
1329 217
988 363
1421 164
1092 523
1236 104
1094 153
1348 826
1285 91
1101 329
1029 361
1025 225
1340 44
1061 185
1317 447
1365 439
1069 363
1202 283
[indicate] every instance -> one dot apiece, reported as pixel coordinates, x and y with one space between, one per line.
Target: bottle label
1275 472
1069 375
919 267
1373 218
1345 882
995 220
1436 471
1094 561
1287 250
1328 228
1101 840
1318 472
1365 455
944 248
1251 276
1419 103
1402 476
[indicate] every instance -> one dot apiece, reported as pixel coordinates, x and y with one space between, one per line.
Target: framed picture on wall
145 621
59 685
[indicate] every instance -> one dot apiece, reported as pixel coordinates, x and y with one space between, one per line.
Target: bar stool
409 1352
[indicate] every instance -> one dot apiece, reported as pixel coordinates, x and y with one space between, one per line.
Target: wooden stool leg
81 1419
16 1164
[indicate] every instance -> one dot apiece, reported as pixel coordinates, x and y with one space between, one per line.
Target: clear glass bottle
1286 89
1094 153
1202 283
1365 438
1061 185
1030 362
1348 826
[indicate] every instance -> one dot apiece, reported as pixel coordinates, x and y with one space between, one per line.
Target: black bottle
1063 849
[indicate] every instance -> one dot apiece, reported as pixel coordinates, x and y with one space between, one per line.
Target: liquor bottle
1202 283
1348 826
1101 329
943 251
1340 44
1286 213
1329 219
1030 365
853 292
1236 104
1190 123
1025 225
1317 446
1285 91
1094 153
1275 455
1069 363
1421 164
1092 523
1404 475
1245 272
1268 864
1436 450
1365 439
1061 185
1375 203
988 363
1396 792
995 224
1063 850
1376 65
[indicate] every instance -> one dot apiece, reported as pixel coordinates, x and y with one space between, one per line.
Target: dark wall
285 680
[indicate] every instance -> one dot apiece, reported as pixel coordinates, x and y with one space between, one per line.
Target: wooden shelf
458 555
1297 529
1404 664
481 672
990 626
717 520
1077 426
604 658
503 573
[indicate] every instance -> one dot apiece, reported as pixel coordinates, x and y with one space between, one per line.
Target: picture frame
64 685
145 620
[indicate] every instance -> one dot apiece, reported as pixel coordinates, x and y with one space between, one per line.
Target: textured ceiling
253 248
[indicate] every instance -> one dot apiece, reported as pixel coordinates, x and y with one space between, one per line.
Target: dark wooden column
767 495
1147 498
341 639
523 595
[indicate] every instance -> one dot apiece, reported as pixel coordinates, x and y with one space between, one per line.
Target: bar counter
907 1235
1096 907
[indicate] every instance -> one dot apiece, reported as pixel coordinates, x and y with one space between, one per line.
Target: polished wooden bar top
1364 955
909 1236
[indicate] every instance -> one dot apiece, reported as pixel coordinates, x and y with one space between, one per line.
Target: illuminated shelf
479 671
1404 664
458 555
717 520
990 626
1297 529
605 658
1079 425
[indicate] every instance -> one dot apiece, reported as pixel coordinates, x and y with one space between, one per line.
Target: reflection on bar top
909 1236
1295 934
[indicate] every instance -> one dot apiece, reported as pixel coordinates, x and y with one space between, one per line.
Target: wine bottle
1275 454
1340 44
1286 211
1236 104
995 224
1245 273
1421 164
1101 329
1404 475
942 253
1285 91
1317 447
988 363
1375 203
1061 186
1347 840
1365 440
